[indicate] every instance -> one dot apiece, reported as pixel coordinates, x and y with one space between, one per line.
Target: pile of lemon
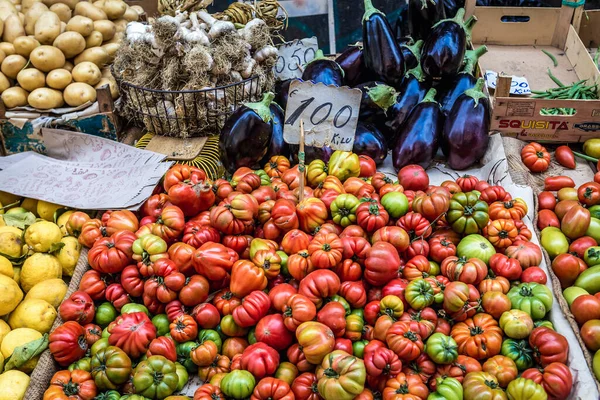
33 263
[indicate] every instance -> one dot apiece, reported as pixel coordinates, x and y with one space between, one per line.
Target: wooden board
177 149
590 28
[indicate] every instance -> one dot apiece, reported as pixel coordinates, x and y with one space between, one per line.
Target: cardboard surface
177 149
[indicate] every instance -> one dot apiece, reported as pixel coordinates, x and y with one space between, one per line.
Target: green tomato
594 229
343 302
265 180
592 256
544 323
554 241
395 203
100 344
533 298
434 268
589 280
155 378
358 348
475 246
516 324
343 209
134 307
161 322
105 314
110 395
210 334
83 364
525 389
467 214
442 349
183 375
252 336
358 311
519 351
419 294
284 260
238 384
595 212
596 364
447 389
573 292
184 358
591 147
105 333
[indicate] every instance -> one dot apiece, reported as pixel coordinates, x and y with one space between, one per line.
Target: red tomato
590 333
535 157
271 330
555 183
206 315
586 307
547 218
579 246
546 201
565 157
78 307
534 274
367 166
567 268
413 177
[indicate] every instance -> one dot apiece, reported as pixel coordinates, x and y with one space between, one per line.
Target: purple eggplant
382 53
423 15
277 146
420 134
465 80
352 62
444 50
451 7
310 153
465 136
246 135
401 25
377 98
370 142
411 53
323 70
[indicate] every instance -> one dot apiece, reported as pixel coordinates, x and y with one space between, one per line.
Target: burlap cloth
46 366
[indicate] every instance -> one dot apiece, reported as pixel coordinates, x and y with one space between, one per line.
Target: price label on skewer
293 56
330 115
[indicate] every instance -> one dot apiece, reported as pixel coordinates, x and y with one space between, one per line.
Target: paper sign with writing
519 84
330 115
293 55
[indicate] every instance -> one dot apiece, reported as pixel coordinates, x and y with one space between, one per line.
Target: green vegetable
546 52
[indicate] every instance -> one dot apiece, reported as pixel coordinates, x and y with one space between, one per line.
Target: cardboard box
515 48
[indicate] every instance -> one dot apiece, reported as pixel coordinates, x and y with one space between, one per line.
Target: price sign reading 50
293 55
330 115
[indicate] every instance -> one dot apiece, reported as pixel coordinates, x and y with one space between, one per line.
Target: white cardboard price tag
330 115
293 55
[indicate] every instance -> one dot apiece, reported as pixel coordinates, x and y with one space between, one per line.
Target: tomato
497 284
501 232
111 367
575 222
163 346
512 209
563 206
341 376
546 201
495 303
535 157
316 339
271 330
431 206
471 271
404 341
77 307
590 333
419 294
112 254
579 246
585 308
456 296
466 213
276 166
272 388
447 388
413 177
75 385
492 194
408 386
555 183
516 324
343 165
554 241
478 337
548 346
528 254
305 387
442 349
395 203
155 377
312 213
522 388
533 298
502 368
379 360
534 274
208 391
501 265
441 247
555 378
589 194
565 157
67 343
132 332
179 173
546 218
482 385
371 216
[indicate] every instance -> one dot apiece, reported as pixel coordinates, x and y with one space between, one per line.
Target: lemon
11 244
33 313
30 205
8 198
12 229
6 267
14 385
69 255
10 295
42 235
4 329
16 338
62 221
17 210
38 268
46 210
1 362
17 275
51 290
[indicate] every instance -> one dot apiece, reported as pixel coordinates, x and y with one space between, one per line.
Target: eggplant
352 62
277 145
382 53
370 142
246 135
377 97
423 15
444 50
465 136
411 53
452 6
401 25
420 135
323 70
310 153
411 92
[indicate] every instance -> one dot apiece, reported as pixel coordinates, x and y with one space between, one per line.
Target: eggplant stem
430 96
476 93
370 10
471 59
415 48
262 107
417 72
383 95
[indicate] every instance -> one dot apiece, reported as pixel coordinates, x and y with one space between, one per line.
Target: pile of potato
55 52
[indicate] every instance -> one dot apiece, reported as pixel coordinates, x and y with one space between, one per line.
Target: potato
99 4
24 45
97 55
4 82
139 9
59 78
70 3
47 27
22 18
44 98
106 73
90 11
47 58
62 10
114 9
80 24
87 72
106 28
116 39
111 49
1 27
70 43
31 79
13 28
12 65
94 39
15 97
32 16
26 5
68 66
131 15
7 8
7 48
2 56
121 24
79 93
63 26
112 85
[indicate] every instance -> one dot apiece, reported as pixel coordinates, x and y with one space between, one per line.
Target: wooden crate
515 48
589 30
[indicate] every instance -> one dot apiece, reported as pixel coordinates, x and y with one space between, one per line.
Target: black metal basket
186 113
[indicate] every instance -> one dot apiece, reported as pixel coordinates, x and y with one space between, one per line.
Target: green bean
555 79
551 57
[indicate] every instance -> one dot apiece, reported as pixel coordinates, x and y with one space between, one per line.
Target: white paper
330 115
293 56
519 84
7 161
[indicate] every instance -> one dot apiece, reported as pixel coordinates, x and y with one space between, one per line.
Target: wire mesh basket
187 113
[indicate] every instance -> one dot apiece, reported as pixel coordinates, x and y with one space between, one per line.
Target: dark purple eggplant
353 64
310 153
411 92
323 70
382 53
246 135
452 6
282 91
450 90
277 146
411 53
420 134
377 97
423 15
402 24
444 50
465 136
370 142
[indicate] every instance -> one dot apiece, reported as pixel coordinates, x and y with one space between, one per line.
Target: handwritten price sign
330 115
293 55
